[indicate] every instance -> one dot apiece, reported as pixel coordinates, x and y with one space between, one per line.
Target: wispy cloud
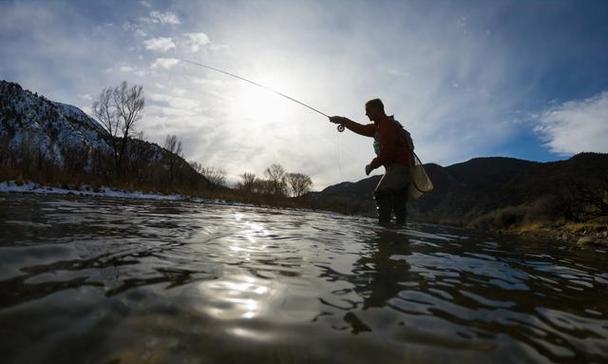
576 126
166 63
219 47
134 28
167 17
160 44
197 40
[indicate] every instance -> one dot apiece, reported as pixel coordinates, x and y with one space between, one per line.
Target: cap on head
374 109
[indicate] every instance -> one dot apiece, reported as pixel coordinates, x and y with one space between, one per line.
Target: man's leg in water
400 206
392 183
383 206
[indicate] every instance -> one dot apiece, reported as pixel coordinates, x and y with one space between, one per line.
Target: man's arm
368 130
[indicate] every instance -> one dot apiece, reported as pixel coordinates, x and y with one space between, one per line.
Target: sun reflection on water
237 297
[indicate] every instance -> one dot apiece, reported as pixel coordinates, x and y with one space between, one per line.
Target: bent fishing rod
340 127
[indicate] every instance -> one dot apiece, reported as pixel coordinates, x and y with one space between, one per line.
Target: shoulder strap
408 139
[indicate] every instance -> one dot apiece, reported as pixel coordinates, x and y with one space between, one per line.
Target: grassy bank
593 232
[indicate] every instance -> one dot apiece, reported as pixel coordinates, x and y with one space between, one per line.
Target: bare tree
140 135
174 147
263 186
119 109
217 176
248 181
214 175
276 177
106 113
299 183
197 167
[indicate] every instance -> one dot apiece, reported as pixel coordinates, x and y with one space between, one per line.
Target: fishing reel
341 128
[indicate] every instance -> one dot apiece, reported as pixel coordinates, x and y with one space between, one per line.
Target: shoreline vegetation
590 233
223 195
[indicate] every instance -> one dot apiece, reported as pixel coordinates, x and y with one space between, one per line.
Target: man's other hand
368 169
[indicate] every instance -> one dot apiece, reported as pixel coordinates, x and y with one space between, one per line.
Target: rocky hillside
498 192
54 128
51 142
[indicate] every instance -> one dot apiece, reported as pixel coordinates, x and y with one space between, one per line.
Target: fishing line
338 155
340 127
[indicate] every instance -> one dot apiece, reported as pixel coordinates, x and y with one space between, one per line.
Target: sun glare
255 103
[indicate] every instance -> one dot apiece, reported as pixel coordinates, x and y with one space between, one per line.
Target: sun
260 104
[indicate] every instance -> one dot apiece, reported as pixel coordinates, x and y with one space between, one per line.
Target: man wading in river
394 151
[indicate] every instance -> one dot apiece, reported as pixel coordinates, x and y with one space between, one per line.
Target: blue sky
526 79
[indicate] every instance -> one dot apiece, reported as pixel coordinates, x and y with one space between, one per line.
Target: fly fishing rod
340 127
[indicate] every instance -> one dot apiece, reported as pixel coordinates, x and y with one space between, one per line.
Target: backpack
407 136
420 181
404 134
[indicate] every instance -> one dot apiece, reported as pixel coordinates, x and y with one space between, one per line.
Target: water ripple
113 281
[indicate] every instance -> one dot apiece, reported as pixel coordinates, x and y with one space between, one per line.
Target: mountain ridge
476 191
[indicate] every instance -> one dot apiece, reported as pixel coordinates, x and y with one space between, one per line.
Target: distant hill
497 192
51 142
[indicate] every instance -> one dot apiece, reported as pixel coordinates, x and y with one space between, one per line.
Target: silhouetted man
394 151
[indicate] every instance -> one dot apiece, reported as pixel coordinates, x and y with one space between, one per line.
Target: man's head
374 109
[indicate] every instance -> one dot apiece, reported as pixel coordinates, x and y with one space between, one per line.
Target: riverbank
30 187
216 196
589 233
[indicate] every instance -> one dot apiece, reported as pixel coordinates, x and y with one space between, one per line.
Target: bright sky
526 79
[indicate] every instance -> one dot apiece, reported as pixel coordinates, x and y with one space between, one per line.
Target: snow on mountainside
54 128
53 143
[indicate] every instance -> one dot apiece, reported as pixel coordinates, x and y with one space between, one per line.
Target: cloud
125 68
134 28
576 126
219 47
160 44
168 17
197 40
165 63
145 4
177 102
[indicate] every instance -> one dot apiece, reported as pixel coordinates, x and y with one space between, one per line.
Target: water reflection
380 273
237 297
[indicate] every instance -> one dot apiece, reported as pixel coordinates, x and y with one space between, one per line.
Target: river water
86 280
